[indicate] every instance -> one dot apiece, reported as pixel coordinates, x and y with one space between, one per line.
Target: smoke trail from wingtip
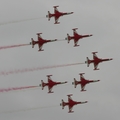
17 21
16 88
12 46
28 109
19 45
36 68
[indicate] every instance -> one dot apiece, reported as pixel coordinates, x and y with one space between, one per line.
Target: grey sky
100 18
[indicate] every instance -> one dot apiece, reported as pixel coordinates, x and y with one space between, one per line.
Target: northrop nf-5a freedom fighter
50 84
57 14
40 42
82 82
76 37
70 103
96 60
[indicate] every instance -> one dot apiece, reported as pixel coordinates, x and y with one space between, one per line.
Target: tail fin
62 104
49 15
74 83
42 84
33 42
68 37
88 61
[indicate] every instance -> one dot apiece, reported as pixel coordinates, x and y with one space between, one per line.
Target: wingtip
81 73
96 69
83 90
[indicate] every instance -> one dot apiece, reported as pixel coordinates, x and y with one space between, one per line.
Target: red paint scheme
82 82
70 103
40 42
56 14
50 84
76 37
96 60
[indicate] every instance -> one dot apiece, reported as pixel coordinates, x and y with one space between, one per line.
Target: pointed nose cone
53 40
84 102
111 59
96 80
69 13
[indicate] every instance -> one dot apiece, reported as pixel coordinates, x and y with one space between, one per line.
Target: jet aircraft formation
76 37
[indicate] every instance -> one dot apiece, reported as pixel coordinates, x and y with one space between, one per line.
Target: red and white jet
76 37
82 82
57 14
50 84
40 42
95 61
70 103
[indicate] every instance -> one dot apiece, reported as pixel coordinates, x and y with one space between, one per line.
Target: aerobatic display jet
40 42
96 60
50 84
57 14
83 82
70 103
76 37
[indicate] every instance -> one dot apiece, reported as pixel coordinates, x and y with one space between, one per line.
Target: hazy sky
100 18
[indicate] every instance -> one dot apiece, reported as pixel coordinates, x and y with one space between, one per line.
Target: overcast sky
100 18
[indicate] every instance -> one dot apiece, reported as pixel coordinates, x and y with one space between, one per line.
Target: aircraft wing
49 79
40 46
56 19
94 56
74 32
69 98
82 86
75 42
70 108
55 10
50 89
81 77
95 66
39 36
